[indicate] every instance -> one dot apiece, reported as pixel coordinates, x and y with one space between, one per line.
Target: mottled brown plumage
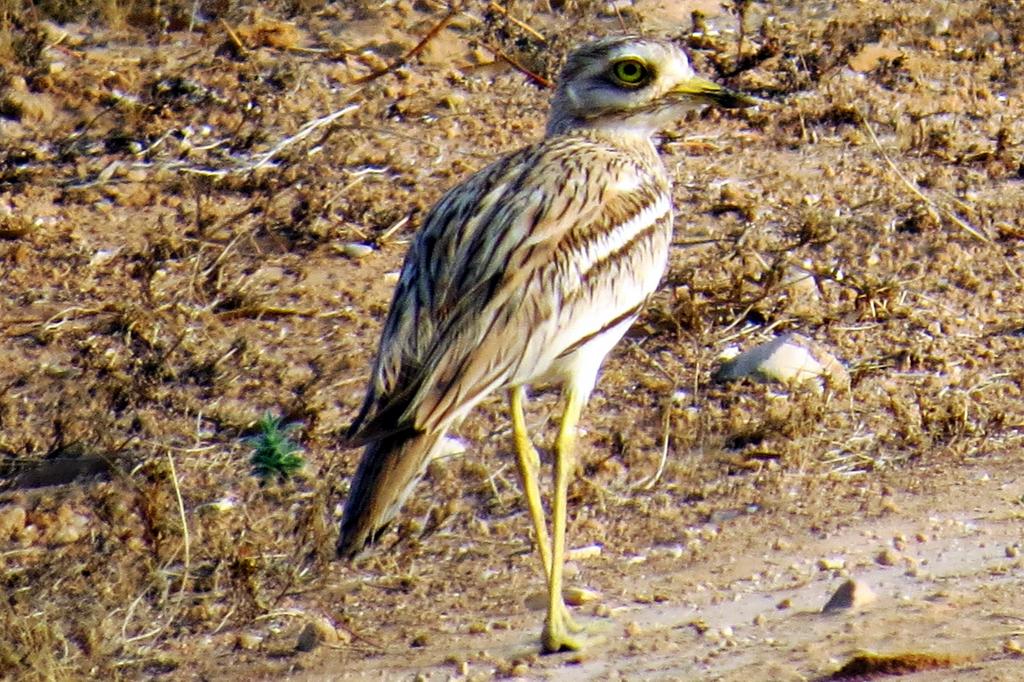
531 269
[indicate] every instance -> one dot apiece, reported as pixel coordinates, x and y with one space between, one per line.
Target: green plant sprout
275 456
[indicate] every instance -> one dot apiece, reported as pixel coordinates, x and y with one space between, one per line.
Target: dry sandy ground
946 579
183 233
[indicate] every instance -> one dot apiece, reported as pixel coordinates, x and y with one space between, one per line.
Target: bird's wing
507 271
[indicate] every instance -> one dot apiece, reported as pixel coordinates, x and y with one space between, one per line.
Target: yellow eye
630 71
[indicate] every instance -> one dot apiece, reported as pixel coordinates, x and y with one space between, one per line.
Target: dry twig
233 37
536 78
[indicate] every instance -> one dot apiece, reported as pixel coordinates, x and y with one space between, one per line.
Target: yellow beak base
714 93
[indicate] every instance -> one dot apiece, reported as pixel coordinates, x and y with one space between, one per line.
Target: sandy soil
946 582
184 223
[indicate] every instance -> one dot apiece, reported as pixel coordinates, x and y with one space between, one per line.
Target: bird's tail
389 470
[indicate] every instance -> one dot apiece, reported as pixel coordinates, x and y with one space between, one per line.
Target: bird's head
631 84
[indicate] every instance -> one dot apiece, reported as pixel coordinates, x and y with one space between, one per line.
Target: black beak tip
733 99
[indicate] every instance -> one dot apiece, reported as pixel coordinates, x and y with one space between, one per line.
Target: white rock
586 552
788 359
102 256
355 251
450 447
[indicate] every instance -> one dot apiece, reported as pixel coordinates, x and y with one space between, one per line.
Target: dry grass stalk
931 204
184 526
264 159
521 24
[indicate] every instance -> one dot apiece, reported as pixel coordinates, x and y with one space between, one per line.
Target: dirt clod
12 521
887 557
869 664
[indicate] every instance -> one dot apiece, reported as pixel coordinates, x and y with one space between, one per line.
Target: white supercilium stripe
603 246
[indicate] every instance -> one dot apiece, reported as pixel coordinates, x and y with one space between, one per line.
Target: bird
529 271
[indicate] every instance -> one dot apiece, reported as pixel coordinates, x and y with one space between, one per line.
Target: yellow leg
529 466
558 627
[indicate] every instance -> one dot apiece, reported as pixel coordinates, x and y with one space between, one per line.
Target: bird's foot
562 633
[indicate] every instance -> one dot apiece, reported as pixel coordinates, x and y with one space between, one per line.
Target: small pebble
578 596
890 506
520 670
852 594
70 527
573 596
580 553
450 447
887 557
309 638
699 626
355 251
674 551
319 631
12 522
248 641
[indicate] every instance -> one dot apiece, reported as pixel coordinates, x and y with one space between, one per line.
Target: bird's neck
621 137
634 127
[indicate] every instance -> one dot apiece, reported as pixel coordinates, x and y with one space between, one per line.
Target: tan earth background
203 207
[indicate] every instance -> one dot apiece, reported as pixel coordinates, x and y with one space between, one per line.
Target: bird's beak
713 93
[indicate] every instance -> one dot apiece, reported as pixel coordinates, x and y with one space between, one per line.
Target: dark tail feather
388 472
